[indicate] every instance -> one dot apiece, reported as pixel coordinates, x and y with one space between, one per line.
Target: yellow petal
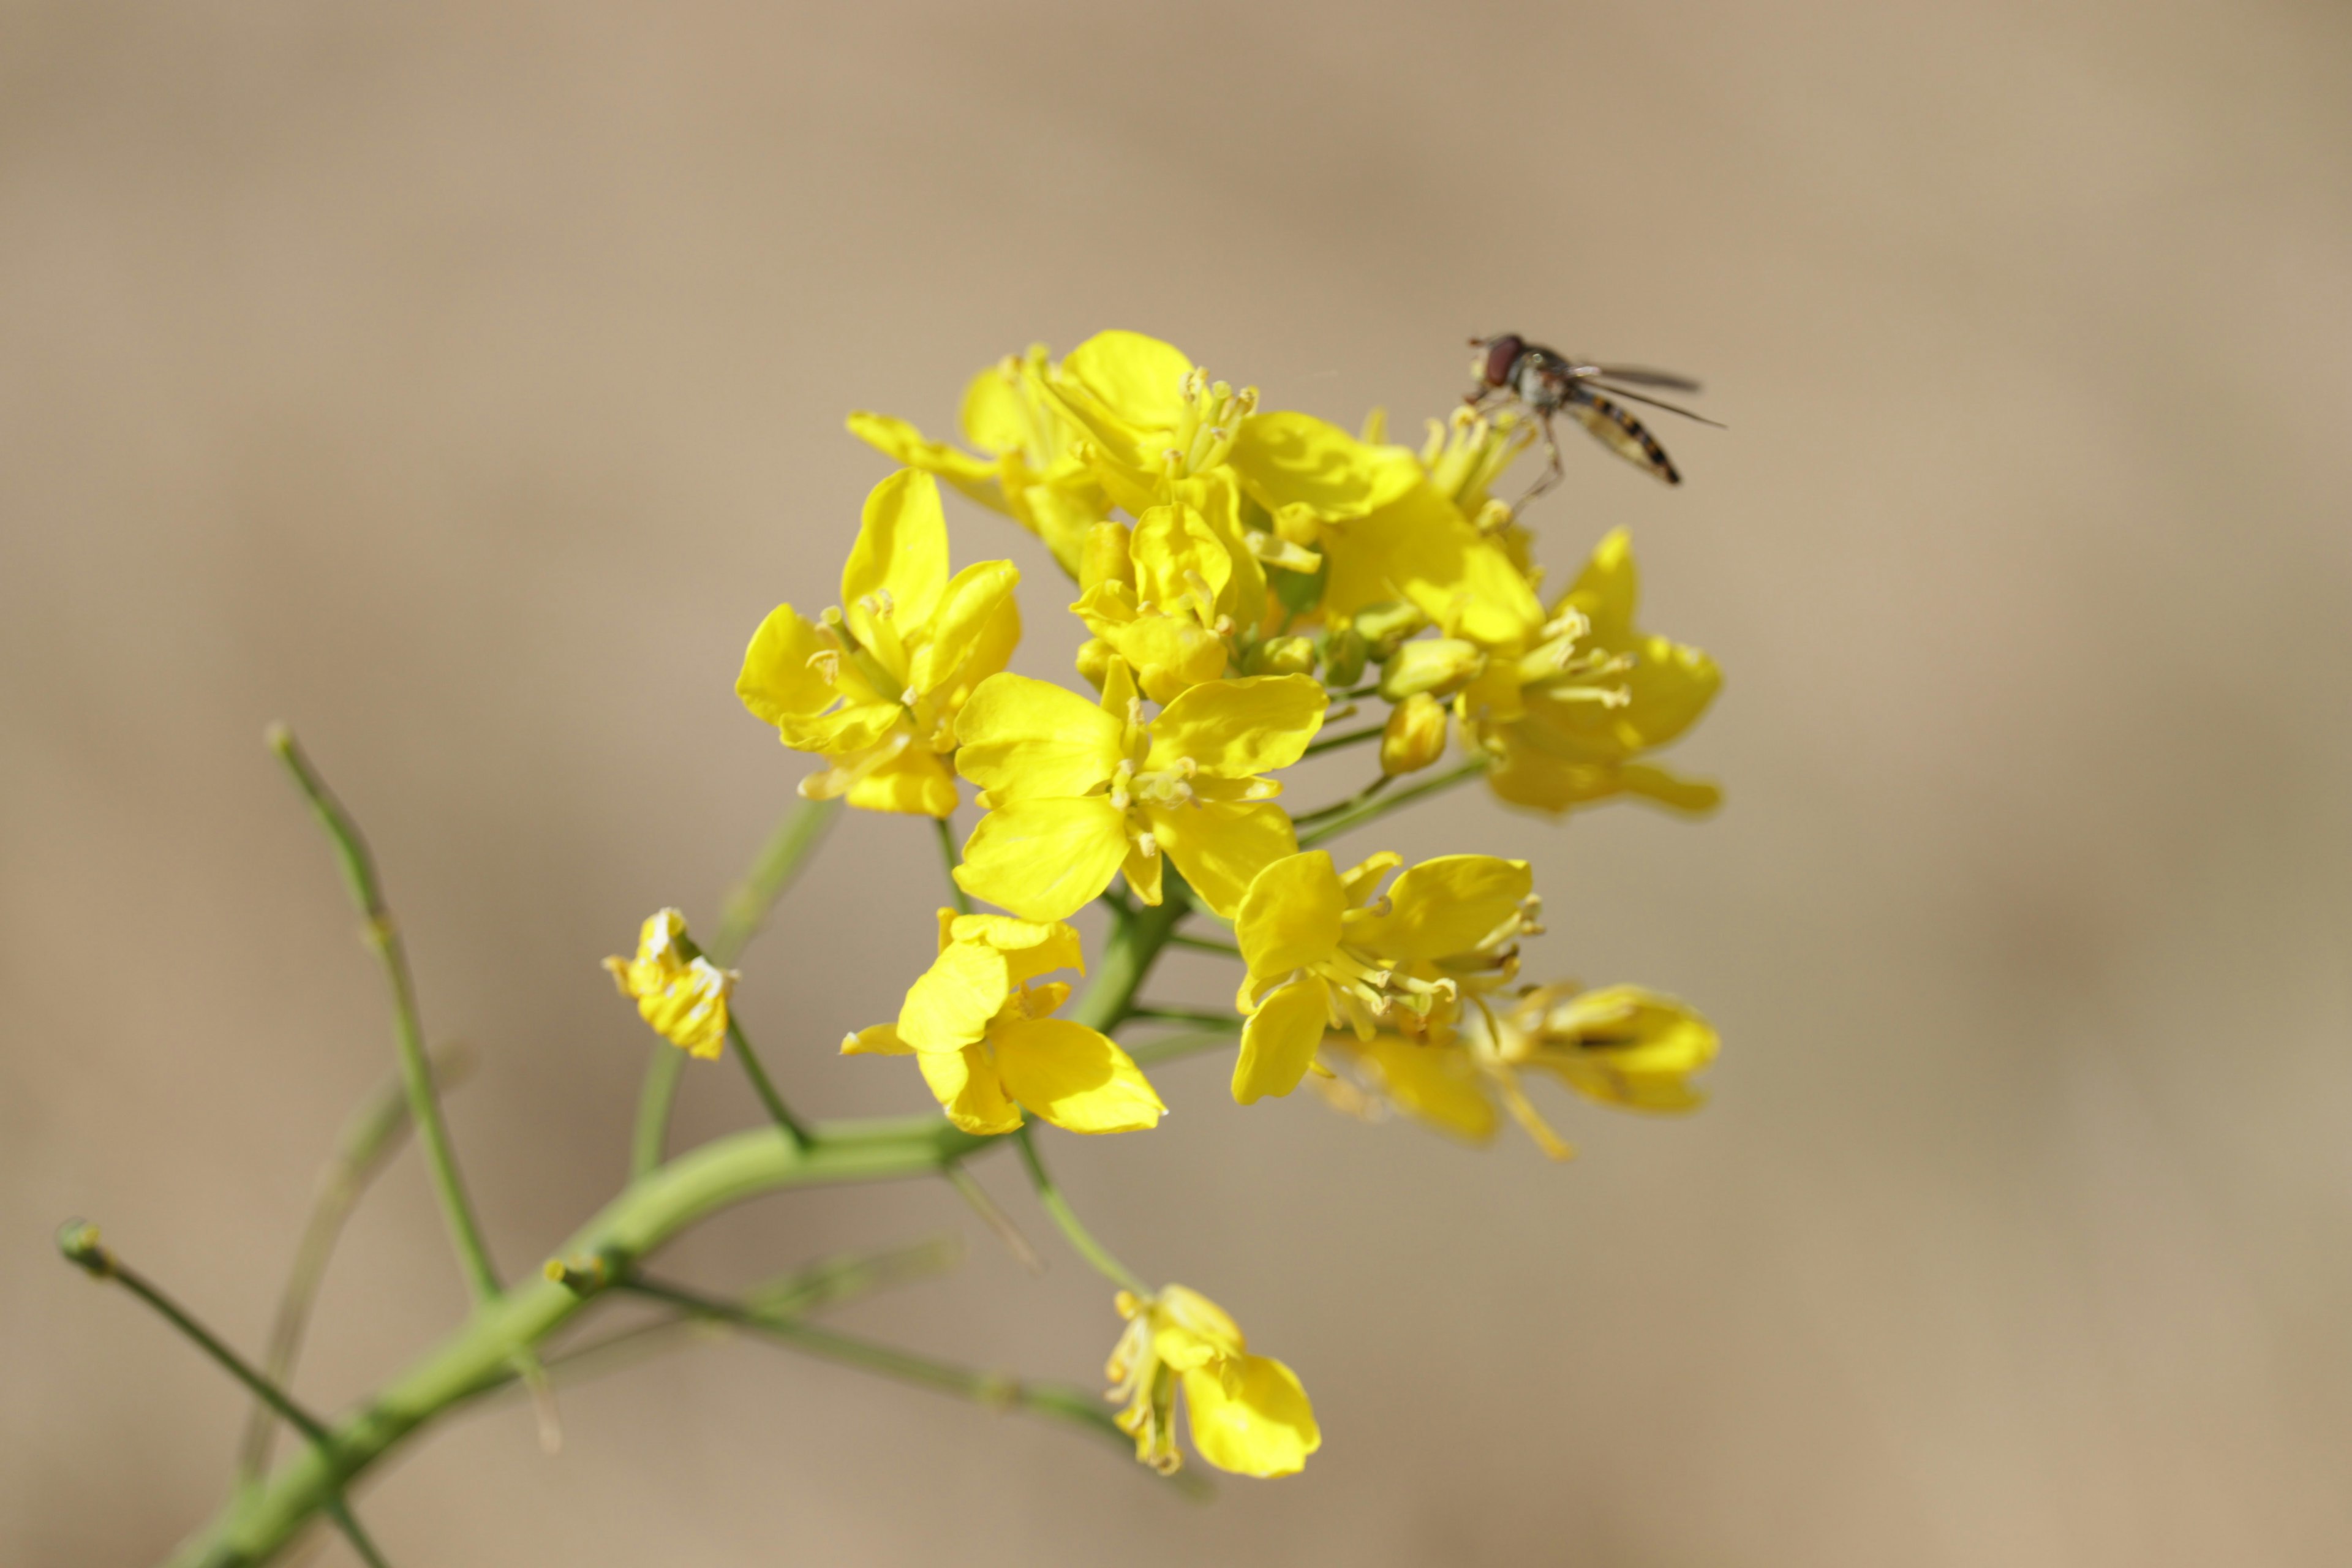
901 549
1171 547
994 416
903 444
1031 948
1180 1310
1073 1077
1694 797
1632 1048
1294 459
1279 1040
1289 918
876 1040
1444 907
777 680
1234 729
967 1088
916 782
1144 873
1044 860
968 607
950 1005
845 731
1360 880
1139 379
1251 1416
1221 846
1441 1088
1021 738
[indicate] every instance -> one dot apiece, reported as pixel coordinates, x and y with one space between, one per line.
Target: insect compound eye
1501 354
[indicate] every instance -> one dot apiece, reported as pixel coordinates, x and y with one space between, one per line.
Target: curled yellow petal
1250 1416
1073 1077
1278 1042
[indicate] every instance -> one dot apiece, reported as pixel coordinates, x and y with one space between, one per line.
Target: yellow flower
1381 529
1621 1045
1077 792
876 687
1033 473
1166 604
1555 745
1325 953
684 998
1247 1413
980 1024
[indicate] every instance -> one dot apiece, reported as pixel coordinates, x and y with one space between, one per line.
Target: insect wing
1623 434
1636 375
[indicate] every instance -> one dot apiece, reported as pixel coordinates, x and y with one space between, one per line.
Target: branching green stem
1204 945
1203 1016
369 1139
1365 809
777 1112
382 934
1350 738
1058 1206
1174 1048
997 1391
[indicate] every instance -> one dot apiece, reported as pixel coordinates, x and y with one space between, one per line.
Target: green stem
383 933
370 1139
476 1356
996 1391
1171 1048
79 1243
1181 1016
993 1215
777 1112
1056 1204
948 855
1352 737
746 908
348 1522
1204 944
1356 815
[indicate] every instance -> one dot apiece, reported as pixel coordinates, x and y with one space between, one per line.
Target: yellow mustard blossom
1381 531
1247 1414
684 998
874 687
1077 792
1162 599
1464 457
1325 953
980 1024
1032 472
1567 712
1621 1045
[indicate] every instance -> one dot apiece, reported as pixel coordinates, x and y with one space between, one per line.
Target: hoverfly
1546 383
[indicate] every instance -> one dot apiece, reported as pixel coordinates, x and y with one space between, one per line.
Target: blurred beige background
463 382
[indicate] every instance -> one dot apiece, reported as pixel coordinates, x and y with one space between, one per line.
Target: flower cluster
1247 578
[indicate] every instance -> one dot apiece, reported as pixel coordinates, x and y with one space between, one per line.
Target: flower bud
1436 664
1095 658
1282 655
1344 653
1414 736
1105 558
1386 625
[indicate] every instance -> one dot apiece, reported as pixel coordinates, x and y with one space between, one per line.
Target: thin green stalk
369 1139
745 910
473 1357
948 854
996 1391
1056 1204
383 933
1350 738
348 1522
1204 944
993 1215
1180 1016
1171 1048
777 1112
1357 814
79 1241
